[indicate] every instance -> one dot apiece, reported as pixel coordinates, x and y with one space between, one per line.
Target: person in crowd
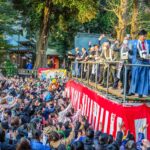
23 145
77 146
6 144
89 140
140 73
51 62
36 144
29 65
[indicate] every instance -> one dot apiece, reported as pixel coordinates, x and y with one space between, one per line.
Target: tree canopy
58 21
7 18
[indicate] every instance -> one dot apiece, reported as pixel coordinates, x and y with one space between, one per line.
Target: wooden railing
27 72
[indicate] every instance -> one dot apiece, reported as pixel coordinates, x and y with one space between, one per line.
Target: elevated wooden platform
115 94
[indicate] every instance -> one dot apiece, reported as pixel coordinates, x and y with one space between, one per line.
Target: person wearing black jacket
89 140
3 144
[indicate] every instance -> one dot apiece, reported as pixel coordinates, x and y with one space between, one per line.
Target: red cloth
143 46
99 109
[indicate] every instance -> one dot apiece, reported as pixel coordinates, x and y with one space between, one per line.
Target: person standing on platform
106 55
126 58
76 65
140 74
103 39
82 58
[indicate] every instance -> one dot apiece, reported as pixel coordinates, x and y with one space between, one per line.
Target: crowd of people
37 115
116 55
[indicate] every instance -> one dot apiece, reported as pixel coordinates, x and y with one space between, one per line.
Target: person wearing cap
140 74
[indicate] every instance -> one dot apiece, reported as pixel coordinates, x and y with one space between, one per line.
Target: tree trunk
121 30
134 22
122 19
43 36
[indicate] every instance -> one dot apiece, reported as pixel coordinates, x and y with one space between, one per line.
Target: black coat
88 144
114 146
6 146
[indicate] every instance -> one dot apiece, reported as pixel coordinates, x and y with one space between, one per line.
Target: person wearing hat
140 74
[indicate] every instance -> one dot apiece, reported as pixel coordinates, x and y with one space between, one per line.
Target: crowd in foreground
37 115
114 55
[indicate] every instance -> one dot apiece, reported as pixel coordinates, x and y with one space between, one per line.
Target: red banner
99 109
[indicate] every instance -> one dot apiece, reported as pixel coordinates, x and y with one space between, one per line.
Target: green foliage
9 69
69 17
86 9
7 18
103 23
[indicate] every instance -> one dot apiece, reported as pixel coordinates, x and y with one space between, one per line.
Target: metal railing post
81 70
88 72
96 75
76 69
125 83
72 68
108 69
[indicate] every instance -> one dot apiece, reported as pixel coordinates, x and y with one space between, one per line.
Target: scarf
143 50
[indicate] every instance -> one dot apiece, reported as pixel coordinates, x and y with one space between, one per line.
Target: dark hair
80 131
142 32
15 121
90 133
2 135
60 124
77 146
103 138
5 125
77 125
66 124
96 45
37 134
23 145
84 118
54 136
110 139
68 114
131 137
72 110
